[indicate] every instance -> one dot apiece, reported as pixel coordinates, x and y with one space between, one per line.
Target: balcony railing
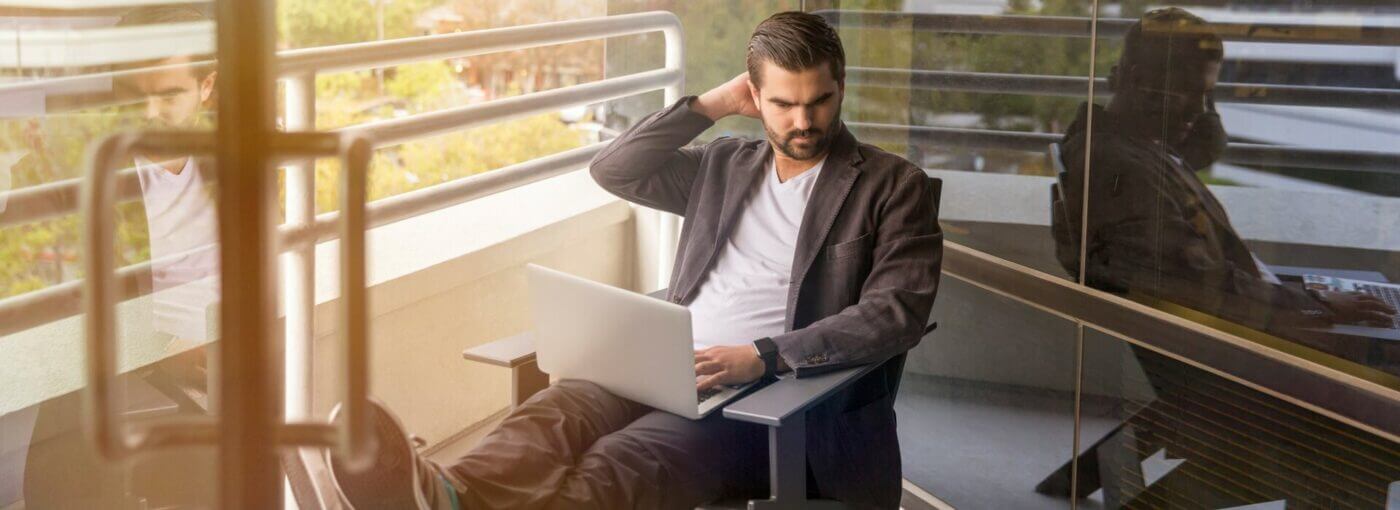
298 68
303 228
1077 86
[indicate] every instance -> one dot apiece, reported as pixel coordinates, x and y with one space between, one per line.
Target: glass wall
1231 171
1225 171
1226 181
70 79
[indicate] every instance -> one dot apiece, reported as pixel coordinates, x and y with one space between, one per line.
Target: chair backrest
894 367
1063 226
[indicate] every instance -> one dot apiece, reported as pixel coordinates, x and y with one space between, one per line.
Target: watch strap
768 353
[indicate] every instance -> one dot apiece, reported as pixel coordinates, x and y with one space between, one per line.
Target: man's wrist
767 352
709 106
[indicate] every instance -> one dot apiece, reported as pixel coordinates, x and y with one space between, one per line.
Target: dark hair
795 41
1165 40
163 15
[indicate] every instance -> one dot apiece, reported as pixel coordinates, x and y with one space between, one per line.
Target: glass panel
975 95
1221 191
986 407
972 94
62 97
1185 438
716 34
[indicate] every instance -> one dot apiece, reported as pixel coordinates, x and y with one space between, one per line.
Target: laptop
637 347
1388 292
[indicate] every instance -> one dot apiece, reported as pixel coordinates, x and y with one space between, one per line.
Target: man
808 245
175 188
1154 228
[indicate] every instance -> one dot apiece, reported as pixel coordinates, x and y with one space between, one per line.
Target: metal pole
250 475
1083 256
669 228
299 265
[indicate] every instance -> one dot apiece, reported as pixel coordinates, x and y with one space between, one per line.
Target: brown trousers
577 446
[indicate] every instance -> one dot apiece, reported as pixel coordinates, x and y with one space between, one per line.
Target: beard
820 140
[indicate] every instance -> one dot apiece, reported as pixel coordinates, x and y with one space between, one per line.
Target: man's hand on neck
731 98
735 98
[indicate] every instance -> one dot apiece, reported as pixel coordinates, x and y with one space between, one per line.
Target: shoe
395 479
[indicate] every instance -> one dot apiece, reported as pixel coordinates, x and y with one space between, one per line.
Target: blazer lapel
829 194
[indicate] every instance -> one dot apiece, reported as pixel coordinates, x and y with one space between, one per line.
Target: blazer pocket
848 248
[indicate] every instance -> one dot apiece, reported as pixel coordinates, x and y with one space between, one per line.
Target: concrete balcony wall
455 278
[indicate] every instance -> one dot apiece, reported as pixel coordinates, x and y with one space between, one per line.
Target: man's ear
206 86
753 93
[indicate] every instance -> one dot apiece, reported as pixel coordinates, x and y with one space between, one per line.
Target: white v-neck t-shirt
184 237
744 296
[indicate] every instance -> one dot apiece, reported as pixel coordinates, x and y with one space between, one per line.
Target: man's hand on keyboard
732 365
1357 308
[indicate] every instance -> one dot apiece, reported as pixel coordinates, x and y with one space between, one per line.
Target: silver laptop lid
635 346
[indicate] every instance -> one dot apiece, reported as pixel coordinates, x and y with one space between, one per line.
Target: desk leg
525 381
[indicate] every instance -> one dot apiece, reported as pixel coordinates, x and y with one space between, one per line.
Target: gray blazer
863 280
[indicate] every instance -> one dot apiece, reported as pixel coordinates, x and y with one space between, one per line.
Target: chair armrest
790 396
509 352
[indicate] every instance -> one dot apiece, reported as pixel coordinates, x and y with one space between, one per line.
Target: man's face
800 110
173 97
1172 103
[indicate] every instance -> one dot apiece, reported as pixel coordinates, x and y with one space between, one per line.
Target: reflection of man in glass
180 211
1155 230
62 470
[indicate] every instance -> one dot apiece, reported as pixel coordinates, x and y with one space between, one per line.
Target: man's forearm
650 164
711 105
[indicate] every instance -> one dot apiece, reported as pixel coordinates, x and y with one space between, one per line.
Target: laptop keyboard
704 395
1390 295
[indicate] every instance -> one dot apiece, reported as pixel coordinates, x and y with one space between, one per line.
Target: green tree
310 23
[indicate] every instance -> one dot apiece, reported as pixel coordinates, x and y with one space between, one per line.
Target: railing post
299 265
669 225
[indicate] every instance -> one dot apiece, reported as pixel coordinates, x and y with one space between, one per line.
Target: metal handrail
1116 28
422 201
1238 153
350 57
299 68
114 439
57 198
1075 86
395 131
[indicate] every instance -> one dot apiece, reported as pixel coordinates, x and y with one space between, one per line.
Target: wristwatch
768 352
